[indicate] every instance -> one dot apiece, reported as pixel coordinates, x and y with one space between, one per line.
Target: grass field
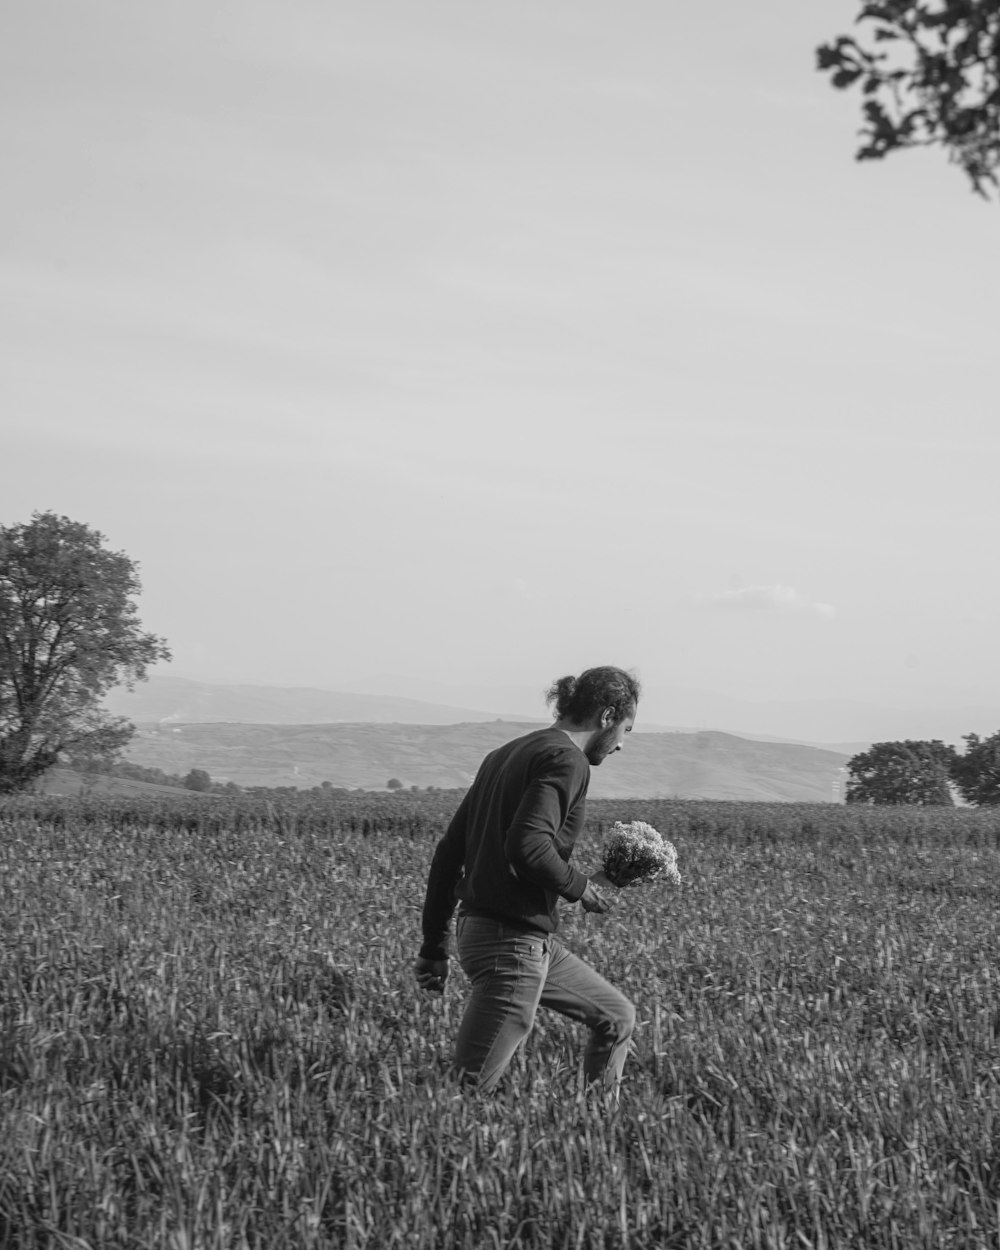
210 1036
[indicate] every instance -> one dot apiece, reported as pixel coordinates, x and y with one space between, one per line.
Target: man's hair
577 699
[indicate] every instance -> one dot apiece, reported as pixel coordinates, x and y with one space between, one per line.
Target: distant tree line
196 779
200 780
927 773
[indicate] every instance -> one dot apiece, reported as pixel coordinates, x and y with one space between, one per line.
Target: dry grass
209 1037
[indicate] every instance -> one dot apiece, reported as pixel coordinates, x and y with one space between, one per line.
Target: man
505 859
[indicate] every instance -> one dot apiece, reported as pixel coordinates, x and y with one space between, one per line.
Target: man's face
608 739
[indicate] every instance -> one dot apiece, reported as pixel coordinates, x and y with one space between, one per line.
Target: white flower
636 852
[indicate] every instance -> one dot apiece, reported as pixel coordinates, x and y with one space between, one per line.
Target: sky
479 344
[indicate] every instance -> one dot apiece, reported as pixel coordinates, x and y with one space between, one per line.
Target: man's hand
595 899
431 974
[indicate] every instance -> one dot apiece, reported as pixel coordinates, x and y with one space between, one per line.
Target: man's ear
607 717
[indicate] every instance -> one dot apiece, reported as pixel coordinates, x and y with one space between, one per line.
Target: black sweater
506 851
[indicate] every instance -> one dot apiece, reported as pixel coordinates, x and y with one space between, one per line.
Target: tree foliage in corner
900 773
977 772
930 76
69 632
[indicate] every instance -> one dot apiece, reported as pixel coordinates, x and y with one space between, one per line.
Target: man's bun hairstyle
577 699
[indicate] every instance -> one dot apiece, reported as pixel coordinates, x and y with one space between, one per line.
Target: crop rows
210 1036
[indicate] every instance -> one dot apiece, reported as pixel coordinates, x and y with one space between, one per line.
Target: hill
836 725
653 765
67 782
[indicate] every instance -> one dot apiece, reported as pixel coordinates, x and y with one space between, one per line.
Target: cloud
782 600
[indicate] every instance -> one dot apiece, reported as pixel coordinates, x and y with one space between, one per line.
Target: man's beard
602 746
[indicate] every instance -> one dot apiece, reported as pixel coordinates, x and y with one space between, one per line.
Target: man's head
602 702
608 738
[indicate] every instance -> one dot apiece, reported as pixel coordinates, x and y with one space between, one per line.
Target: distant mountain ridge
832 724
301 736
653 765
178 699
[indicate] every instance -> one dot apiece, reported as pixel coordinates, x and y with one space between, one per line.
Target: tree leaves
902 773
918 773
939 87
69 631
977 772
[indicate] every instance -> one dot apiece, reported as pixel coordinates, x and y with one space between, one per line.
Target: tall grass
210 1037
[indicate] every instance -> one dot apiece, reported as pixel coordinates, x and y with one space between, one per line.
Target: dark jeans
513 974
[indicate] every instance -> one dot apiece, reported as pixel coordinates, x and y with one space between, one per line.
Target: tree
198 779
977 772
69 632
394 784
934 81
899 773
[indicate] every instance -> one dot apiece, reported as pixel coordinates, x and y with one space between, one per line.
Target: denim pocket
489 947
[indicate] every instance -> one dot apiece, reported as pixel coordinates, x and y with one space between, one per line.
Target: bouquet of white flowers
636 852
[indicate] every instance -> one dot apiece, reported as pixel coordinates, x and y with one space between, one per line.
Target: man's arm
545 807
445 872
